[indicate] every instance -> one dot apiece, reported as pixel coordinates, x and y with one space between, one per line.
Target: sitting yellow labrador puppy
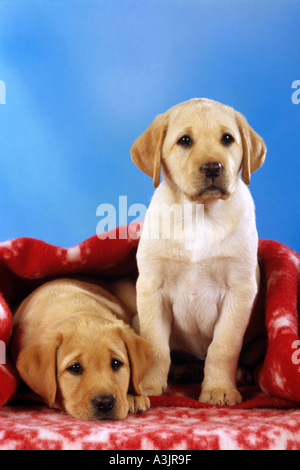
73 346
197 257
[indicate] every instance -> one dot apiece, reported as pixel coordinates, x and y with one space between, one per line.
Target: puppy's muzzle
104 403
212 170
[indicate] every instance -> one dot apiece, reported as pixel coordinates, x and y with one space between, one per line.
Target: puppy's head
86 366
201 147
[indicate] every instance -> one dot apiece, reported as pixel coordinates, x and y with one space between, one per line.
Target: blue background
85 78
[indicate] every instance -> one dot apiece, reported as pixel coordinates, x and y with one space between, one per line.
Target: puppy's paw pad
221 397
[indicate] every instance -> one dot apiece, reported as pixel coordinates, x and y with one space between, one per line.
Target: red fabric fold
26 263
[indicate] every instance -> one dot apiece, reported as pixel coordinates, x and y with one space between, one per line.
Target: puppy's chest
191 286
195 293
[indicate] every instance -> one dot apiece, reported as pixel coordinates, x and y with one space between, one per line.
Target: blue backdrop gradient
84 78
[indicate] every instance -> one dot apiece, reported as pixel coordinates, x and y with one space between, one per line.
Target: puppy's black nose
212 170
104 403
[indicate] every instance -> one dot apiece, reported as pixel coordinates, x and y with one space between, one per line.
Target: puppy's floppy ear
140 356
253 147
37 367
146 150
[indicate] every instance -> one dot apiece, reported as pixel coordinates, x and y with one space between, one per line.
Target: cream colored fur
82 323
198 297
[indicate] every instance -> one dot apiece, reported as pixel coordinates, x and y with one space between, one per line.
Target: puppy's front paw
221 397
153 386
189 374
138 404
243 377
153 389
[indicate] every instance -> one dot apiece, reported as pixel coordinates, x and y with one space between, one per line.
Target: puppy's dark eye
75 369
115 364
185 141
227 139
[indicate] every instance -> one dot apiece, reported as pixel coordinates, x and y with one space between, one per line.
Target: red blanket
26 263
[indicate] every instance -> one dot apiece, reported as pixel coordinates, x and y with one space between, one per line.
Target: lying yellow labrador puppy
197 257
73 346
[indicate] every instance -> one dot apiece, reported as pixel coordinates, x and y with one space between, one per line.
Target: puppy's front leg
138 403
155 326
219 384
